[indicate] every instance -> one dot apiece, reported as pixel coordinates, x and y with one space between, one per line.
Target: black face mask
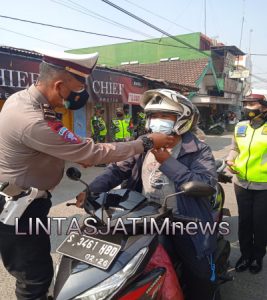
256 117
76 100
251 113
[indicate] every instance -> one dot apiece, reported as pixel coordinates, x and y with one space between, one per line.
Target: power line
259 78
45 41
98 16
261 54
161 17
89 32
153 26
35 38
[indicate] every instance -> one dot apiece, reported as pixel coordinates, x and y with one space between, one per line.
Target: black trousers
27 257
252 224
196 272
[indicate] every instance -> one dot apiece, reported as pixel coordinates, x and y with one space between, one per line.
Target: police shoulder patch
66 134
241 130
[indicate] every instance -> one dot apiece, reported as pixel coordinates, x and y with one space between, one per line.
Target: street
245 286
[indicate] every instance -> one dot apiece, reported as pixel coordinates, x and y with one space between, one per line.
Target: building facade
112 88
216 70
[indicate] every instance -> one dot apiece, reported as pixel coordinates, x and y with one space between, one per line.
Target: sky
233 22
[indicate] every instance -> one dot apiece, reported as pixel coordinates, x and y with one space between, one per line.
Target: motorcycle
216 129
102 263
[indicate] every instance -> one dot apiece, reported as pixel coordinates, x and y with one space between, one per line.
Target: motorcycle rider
160 173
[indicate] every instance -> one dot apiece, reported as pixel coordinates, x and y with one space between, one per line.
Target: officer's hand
161 140
161 154
80 199
231 165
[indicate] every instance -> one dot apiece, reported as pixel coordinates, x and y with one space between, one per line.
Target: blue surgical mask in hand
161 125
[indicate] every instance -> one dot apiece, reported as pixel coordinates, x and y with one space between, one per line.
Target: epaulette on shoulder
48 112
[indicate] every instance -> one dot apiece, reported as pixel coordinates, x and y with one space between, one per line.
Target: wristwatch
147 143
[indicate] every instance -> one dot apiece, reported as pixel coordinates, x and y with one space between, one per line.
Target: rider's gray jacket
195 162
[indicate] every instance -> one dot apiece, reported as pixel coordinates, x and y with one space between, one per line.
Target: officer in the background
98 125
120 127
141 124
248 160
128 118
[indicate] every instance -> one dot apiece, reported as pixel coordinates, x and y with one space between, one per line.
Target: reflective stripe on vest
123 126
251 162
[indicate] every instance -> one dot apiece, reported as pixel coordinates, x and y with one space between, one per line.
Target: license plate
93 251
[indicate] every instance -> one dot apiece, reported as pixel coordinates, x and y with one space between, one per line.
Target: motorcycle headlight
107 288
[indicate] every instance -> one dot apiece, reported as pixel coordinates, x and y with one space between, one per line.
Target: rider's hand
231 165
80 199
161 140
161 154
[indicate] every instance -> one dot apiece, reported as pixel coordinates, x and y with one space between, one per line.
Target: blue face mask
161 125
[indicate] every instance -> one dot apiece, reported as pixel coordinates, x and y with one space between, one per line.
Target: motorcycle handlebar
185 219
224 178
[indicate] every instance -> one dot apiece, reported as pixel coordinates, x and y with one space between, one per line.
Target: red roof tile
184 72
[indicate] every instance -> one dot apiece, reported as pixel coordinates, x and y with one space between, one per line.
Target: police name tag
93 251
241 130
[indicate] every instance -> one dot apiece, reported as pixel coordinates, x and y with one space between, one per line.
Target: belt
12 208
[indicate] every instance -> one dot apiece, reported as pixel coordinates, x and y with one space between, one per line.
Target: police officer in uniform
120 127
34 146
98 125
141 124
248 160
128 118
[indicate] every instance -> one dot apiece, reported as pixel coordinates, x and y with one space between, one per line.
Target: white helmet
169 101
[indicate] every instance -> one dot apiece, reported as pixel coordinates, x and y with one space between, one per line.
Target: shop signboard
16 73
113 87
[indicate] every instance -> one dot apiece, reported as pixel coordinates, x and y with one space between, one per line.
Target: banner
19 72
113 87
16 73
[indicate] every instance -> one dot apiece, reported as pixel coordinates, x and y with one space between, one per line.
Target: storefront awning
214 100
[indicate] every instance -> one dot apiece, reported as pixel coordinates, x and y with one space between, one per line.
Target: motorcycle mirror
73 173
194 189
197 189
220 165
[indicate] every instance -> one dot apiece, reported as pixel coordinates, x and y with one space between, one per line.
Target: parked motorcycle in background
214 125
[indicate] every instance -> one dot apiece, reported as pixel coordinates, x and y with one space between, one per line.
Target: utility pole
249 56
205 19
242 24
